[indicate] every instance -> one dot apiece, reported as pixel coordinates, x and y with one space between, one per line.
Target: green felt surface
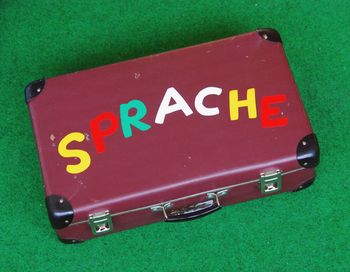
306 231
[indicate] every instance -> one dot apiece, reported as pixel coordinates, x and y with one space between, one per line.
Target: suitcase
170 137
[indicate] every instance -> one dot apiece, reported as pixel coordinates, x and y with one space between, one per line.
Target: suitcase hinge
270 182
100 222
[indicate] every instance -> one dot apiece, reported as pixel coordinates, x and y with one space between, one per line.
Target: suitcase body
170 137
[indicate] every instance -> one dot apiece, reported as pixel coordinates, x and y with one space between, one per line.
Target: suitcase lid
189 152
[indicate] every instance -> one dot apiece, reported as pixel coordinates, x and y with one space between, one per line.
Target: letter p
98 133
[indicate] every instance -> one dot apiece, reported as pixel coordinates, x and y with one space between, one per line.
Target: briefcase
170 137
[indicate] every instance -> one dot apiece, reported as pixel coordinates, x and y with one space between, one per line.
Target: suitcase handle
195 211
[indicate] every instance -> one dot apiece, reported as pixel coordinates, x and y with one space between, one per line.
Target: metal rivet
305 163
303 143
61 200
73 241
38 90
265 36
66 221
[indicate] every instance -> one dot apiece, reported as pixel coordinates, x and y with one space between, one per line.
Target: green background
306 231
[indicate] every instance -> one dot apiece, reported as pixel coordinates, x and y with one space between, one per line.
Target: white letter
165 108
203 110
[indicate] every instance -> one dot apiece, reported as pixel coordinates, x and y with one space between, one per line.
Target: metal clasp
270 182
162 208
100 222
216 195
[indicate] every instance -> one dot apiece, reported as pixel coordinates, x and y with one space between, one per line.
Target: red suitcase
170 137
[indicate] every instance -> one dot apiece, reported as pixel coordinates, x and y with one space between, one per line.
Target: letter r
134 120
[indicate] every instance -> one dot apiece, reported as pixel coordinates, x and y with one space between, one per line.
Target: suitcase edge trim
35 87
189 196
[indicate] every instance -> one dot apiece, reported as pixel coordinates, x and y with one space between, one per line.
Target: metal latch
100 222
270 182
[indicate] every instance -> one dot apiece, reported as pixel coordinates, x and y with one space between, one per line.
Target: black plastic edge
308 151
70 241
305 185
269 34
33 89
60 211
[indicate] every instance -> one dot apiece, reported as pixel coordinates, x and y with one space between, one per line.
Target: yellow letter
235 104
84 157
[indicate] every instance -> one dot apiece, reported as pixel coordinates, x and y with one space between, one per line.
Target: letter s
84 157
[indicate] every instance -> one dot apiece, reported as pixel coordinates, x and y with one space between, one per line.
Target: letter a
165 108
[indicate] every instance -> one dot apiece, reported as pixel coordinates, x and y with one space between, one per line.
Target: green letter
134 120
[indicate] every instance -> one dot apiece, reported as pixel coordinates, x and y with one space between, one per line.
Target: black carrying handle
195 214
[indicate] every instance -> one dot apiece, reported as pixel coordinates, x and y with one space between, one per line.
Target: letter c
203 110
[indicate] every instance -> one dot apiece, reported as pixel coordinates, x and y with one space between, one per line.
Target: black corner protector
269 34
305 185
70 241
60 211
33 89
308 151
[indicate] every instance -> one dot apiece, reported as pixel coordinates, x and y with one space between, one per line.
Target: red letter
98 133
267 111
